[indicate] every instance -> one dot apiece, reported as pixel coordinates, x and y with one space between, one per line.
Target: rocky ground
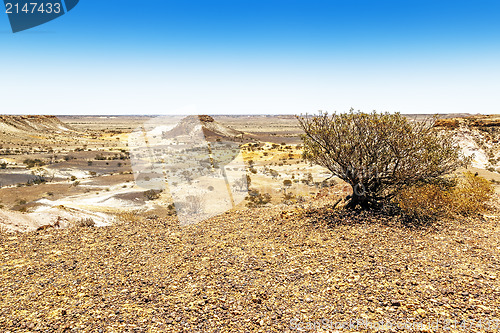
272 269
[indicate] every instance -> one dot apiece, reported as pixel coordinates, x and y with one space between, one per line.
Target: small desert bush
37 180
192 205
472 194
152 194
129 217
424 202
289 198
255 199
21 201
465 196
171 210
31 163
85 223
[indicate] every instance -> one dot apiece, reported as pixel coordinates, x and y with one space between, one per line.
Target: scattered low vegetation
31 163
468 195
36 180
256 199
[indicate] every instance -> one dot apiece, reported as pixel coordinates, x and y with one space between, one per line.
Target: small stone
396 302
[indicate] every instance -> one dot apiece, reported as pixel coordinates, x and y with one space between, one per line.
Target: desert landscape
91 242
73 168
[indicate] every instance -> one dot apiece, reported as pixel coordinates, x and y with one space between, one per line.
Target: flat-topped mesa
447 123
32 123
27 117
210 128
206 119
478 121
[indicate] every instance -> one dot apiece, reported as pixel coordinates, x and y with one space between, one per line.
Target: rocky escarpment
211 129
32 123
479 136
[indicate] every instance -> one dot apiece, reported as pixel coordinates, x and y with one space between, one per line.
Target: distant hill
212 130
479 136
32 124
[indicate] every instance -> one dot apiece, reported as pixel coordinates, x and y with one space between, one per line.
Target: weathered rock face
32 123
487 122
479 122
478 136
211 129
448 123
206 119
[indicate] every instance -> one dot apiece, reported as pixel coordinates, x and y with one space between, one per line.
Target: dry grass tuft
85 223
469 195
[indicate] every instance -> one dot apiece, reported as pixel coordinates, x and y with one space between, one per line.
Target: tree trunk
355 200
359 198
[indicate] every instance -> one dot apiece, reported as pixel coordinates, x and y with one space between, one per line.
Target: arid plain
85 248
71 168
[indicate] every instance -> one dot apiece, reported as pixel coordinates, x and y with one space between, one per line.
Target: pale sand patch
12 221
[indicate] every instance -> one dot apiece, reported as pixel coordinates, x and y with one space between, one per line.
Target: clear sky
256 57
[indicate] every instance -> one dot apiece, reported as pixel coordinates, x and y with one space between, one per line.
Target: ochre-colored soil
269 269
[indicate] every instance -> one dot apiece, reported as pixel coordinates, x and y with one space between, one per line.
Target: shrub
468 195
171 210
152 194
85 223
255 198
289 198
193 204
472 194
242 183
31 163
425 202
36 180
274 174
379 154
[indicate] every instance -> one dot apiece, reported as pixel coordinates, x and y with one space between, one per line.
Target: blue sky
255 57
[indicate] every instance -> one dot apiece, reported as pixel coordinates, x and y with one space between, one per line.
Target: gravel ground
271 269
